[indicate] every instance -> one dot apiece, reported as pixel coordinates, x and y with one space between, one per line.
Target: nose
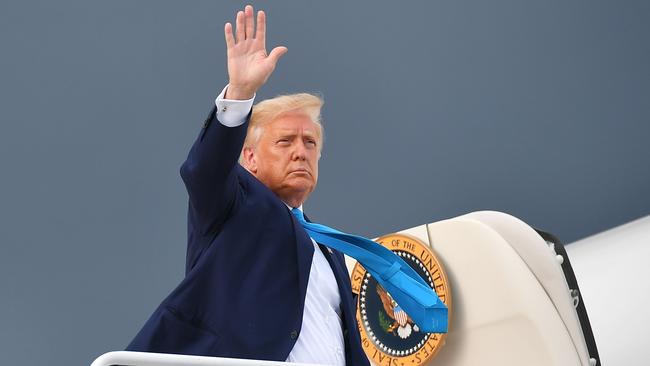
299 151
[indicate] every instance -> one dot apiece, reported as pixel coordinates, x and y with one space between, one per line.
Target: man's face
286 157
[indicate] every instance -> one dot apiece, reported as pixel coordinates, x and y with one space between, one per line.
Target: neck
293 201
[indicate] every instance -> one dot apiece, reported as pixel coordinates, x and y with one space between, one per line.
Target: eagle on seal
401 321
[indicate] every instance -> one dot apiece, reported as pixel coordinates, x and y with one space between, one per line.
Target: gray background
433 109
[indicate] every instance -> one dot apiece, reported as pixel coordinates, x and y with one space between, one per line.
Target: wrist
235 92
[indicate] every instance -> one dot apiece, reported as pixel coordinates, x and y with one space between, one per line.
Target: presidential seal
388 335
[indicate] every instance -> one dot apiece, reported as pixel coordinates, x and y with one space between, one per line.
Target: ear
250 159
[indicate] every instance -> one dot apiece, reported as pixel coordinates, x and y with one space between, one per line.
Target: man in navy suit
256 285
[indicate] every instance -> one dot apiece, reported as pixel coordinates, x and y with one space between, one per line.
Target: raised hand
249 66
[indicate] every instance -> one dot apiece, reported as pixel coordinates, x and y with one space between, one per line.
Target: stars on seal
364 316
394 352
417 261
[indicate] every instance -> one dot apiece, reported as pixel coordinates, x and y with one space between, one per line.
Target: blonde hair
268 110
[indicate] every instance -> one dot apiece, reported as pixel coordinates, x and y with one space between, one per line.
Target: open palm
249 65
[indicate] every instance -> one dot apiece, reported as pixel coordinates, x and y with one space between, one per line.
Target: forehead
293 123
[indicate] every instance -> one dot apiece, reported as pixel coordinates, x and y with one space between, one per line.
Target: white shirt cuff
230 112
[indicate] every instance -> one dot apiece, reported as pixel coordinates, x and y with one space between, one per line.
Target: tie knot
298 214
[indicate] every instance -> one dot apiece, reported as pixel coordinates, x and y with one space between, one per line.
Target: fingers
241 30
230 40
250 26
276 53
261 27
245 24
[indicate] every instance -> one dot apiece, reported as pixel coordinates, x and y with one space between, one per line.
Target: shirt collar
291 208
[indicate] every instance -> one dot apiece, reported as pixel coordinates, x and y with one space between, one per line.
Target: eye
311 143
283 142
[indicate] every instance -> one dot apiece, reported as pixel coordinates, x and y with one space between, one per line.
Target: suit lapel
339 271
345 289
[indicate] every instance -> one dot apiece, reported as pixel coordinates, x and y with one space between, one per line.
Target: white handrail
128 358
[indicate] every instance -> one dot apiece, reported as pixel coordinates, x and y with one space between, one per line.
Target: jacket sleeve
167 332
209 173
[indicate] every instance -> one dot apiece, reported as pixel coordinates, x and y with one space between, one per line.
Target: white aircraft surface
613 271
515 300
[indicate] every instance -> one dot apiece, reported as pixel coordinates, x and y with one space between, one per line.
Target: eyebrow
291 133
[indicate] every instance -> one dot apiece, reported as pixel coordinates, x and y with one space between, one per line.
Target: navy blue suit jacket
248 264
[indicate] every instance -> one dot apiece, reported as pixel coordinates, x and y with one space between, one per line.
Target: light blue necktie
406 287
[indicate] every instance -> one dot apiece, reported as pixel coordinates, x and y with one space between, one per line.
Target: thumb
276 53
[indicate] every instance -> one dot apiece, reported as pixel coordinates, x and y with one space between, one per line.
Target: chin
301 185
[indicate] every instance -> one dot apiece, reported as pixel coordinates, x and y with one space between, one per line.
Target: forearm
209 171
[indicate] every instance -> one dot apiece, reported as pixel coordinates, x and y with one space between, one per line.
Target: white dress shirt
321 336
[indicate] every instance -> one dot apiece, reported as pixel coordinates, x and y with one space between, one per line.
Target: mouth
301 171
